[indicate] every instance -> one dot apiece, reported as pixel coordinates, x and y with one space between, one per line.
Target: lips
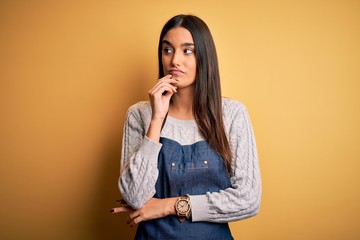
175 72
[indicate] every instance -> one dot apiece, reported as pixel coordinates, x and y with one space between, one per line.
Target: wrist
171 205
183 208
153 133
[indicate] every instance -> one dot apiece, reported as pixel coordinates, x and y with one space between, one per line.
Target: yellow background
70 69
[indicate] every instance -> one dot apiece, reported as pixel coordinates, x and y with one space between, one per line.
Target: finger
120 201
163 81
159 92
170 84
174 77
137 220
128 220
132 224
134 215
168 78
168 94
161 86
121 209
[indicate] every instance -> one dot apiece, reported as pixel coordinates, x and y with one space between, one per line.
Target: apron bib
187 169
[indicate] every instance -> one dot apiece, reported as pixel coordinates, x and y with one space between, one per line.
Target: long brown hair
207 103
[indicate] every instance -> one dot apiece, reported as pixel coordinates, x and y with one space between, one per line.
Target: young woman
189 160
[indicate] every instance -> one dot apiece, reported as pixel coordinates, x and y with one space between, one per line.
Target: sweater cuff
200 208
150 148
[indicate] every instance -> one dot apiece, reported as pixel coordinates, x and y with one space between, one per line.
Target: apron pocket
189 178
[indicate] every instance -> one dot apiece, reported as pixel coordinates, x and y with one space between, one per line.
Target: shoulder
235 115
141 108
232 107
139 112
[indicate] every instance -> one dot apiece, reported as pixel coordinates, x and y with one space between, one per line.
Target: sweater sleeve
138 161
242 199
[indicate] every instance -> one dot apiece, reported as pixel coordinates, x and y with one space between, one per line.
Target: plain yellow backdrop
70 69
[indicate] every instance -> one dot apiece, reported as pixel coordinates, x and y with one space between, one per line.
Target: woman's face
178 56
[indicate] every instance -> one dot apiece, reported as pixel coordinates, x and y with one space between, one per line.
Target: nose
176 59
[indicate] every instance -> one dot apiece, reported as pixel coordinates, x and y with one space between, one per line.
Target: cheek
165 65
164 60
194 67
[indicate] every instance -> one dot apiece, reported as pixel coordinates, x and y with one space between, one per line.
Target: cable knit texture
139 163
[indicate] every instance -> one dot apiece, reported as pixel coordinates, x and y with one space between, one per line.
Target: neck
181 106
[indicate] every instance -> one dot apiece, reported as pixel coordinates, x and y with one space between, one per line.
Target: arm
138 159
139 152
242 199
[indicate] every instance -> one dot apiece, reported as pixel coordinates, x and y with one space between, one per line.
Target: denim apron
187 169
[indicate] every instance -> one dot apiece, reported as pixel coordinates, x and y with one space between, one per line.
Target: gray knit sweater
139 170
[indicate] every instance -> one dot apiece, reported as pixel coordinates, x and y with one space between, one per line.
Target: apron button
173 164
205 162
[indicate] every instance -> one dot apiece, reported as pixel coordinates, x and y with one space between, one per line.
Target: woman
189 160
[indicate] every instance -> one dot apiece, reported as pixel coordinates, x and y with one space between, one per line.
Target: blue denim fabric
191 169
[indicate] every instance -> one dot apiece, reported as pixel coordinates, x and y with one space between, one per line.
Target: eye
167 50
188 51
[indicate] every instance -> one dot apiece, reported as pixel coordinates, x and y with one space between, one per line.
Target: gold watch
183 208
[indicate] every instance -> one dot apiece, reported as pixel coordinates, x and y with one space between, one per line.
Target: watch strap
181 219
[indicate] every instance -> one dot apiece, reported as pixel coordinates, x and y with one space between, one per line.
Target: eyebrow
183 45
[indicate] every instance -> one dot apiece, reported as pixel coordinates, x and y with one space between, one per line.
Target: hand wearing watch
183 208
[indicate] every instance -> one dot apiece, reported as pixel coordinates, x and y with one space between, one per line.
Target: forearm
139 175
219 208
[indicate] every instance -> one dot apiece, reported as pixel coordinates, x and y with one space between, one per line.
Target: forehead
178 36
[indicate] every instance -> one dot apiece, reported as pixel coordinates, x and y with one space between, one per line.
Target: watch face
182 206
